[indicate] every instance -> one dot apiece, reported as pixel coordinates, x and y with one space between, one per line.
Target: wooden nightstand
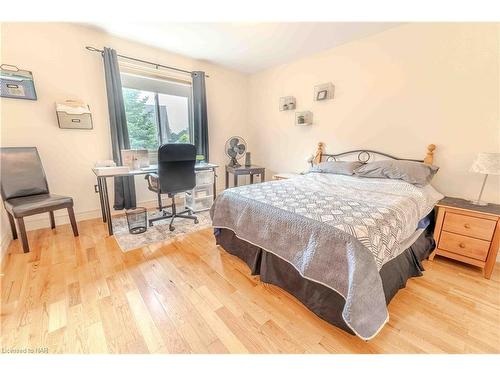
468 233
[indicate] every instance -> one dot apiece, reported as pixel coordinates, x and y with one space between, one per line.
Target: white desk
103 187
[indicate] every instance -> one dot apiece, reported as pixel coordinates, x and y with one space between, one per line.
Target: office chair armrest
153 182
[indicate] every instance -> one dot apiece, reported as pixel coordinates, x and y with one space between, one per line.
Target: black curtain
124 186
200 118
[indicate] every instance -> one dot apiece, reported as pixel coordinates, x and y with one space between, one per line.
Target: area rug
159 232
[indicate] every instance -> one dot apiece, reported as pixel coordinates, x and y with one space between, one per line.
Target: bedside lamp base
478 203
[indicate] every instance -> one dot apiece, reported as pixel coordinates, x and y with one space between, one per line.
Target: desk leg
101 199
235 180
227 180
106 205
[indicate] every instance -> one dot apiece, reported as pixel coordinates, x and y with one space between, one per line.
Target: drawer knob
461 245
467 225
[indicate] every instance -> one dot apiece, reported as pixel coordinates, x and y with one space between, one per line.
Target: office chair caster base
171 227
196 221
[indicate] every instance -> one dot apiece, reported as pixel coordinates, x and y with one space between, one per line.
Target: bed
342 245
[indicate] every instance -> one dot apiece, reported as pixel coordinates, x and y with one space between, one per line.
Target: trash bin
137 219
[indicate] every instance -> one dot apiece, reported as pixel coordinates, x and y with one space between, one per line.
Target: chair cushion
36 204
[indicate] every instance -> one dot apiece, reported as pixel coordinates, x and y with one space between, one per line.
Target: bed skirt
323 301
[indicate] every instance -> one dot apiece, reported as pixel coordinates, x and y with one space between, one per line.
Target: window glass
158 111
140 110
174 118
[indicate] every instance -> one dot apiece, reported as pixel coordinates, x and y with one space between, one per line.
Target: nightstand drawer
469 226
463 245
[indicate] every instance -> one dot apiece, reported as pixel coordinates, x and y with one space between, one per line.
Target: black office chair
25 191
175 175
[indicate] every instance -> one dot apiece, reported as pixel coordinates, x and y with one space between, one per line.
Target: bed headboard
365 155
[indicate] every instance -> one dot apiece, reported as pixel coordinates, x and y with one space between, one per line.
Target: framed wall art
324 91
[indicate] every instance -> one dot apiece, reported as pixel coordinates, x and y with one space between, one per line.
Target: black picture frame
322 95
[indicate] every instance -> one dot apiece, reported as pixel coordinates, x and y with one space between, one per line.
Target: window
158 111
141 118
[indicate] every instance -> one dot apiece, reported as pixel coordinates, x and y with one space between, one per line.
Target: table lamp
486 163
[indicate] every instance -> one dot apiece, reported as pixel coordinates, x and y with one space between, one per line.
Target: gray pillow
336 167
415 173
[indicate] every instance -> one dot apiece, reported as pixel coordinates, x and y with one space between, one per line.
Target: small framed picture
324 91
322 95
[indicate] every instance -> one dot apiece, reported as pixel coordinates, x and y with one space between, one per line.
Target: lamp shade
486 163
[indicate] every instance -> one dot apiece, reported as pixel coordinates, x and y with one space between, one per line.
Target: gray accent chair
25 191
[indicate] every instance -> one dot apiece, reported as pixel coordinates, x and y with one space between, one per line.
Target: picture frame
323 91
322 95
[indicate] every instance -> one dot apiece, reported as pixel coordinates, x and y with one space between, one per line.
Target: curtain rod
93 49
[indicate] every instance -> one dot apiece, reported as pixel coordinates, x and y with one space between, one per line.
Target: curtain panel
124 186
200 117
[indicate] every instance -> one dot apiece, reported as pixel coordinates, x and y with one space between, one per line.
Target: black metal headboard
365 156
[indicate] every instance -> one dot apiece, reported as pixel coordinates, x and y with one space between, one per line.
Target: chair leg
72 219
12 226
22 232
52 220
186 214
165 215
160 208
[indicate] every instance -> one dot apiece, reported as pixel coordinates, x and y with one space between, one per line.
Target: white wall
64 69
396 91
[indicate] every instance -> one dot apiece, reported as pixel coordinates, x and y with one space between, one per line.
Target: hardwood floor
85 295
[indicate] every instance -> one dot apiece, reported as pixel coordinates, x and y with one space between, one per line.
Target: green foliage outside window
141 122
142 129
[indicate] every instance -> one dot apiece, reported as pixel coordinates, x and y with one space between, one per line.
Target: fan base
234 163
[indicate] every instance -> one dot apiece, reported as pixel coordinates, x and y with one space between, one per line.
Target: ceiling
246 47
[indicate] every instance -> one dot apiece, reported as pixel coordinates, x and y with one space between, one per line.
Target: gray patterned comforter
335 230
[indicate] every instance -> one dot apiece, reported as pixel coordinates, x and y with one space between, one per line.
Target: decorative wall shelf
324 91
287 103
303 118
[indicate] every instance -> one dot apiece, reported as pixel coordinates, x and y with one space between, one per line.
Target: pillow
336 167
414 172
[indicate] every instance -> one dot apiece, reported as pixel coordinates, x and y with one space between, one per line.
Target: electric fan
235 149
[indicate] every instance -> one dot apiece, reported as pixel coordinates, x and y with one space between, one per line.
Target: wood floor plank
146 325
84 295
57 315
